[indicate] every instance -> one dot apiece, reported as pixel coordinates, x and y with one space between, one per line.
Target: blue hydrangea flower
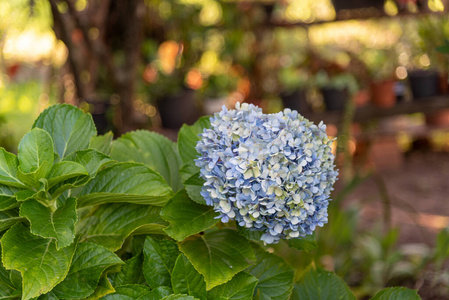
269 172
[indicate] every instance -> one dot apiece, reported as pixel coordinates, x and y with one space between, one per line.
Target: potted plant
381 65
216 90
336 89
294 83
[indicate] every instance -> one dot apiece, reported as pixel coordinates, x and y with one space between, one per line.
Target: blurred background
375 71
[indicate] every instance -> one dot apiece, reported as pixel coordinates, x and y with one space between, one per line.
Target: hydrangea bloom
270 172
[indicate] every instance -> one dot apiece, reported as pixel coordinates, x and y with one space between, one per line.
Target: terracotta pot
443 82
382 93
361 98
438 119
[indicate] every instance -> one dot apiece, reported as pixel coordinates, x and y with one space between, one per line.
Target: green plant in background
292 79
339 81
85 217
381 63
433 35
219 86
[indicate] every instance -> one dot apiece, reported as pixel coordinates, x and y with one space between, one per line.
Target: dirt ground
417 193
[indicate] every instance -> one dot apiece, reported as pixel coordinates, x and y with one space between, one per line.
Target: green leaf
91 159
240 287
218 255
126 182
276 277
153 150
58 224
8 218
396 293
129 292
7 198
102 143
193 186
70 128
186 280
36 151
188 138
253 235
8 169
7 289
157 293
48 296
104 288
321 284
65 170
307 243
89 263
130 273
35 180
41 264
159 260
187 217
179 297
109 225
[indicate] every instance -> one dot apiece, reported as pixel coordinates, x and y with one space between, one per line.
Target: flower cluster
270 172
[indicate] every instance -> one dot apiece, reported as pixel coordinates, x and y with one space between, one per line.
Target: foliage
338 81
77 224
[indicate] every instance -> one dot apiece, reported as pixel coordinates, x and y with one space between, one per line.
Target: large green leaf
396 293
36 151
193 185
89 263
8 290
153 150
307 243
8 169
179 297
186 280
188 138
104 288
91 159
138 292
321 284
70 128
65 170
41 264
9 218
129 292
159 260
48 223
276 277
48 296
102 143
218 255
109 225
7 198
126 182
240 287
130 273
187 217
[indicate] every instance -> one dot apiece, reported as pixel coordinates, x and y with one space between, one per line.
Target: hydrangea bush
83 216
273 173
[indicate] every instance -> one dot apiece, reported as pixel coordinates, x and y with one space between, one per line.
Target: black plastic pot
424 83
334 99
358 4
178 109
295 100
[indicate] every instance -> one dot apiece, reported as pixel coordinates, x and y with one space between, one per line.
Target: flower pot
362 98
358 4
382 93
178 109
334 99
424 83
438 119
295 100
